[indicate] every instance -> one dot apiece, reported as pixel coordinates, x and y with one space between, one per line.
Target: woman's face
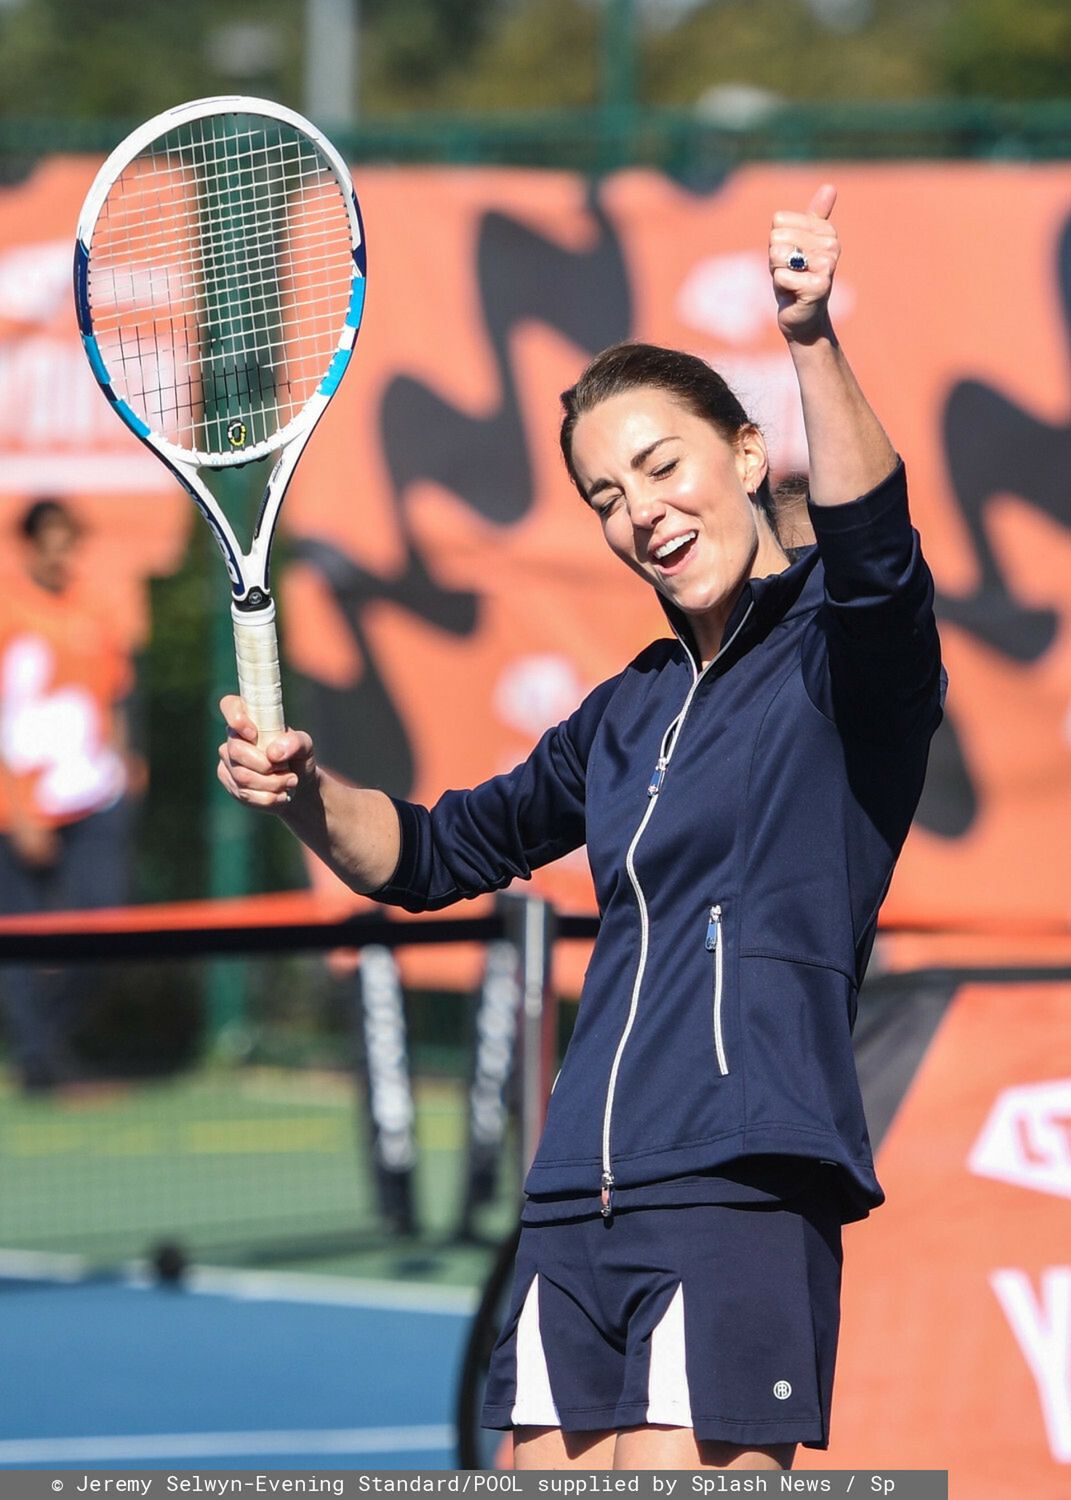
674 498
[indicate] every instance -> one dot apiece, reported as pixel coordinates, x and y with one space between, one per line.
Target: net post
530 924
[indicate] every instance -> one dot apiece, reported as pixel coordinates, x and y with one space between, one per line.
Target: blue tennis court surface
242 1371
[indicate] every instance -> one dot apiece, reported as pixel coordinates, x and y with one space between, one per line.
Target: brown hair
46 512
690 380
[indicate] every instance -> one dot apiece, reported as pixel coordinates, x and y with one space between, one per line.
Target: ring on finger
797 261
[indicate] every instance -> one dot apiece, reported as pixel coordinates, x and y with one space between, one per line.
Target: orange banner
448 596
58 436
956 1335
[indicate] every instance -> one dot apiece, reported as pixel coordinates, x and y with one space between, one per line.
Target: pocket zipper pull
713 928
658 775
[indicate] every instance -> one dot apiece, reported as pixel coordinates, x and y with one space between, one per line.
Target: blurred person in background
64 776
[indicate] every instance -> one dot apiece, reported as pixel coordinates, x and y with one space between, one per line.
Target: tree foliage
128 58
1008 49
780 46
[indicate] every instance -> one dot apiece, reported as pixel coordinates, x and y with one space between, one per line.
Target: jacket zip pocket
716 945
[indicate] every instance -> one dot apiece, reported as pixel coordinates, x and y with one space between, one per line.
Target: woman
743 790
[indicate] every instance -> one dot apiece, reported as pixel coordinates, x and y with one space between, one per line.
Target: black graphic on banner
522 276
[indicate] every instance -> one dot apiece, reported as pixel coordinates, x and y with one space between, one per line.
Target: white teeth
675 545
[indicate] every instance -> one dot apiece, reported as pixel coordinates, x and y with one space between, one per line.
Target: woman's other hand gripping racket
269 775
354 830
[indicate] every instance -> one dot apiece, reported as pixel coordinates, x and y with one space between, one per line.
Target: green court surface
239 1166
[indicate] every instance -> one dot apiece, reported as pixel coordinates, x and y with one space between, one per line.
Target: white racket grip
256 649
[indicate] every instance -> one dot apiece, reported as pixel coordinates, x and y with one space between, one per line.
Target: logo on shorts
782 1390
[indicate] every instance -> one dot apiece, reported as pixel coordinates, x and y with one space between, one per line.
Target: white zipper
658 776
716 945
653 789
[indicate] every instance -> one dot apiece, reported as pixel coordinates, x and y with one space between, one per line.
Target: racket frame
252 606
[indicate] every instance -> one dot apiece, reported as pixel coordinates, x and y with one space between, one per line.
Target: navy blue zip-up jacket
742 823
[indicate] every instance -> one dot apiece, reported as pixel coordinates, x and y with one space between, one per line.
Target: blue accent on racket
131 418
97 364
81 286
335 371
353 317
360 253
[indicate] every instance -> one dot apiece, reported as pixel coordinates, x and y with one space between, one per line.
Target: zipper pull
658 775
713 928
607 1194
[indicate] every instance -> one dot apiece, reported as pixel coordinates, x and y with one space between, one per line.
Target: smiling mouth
673 553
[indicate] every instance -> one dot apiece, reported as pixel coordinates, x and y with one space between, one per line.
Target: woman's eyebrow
636 462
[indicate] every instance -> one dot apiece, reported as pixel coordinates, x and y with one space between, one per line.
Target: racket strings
287 285
136 267
239 255
141 192
185 172
252 247
220 280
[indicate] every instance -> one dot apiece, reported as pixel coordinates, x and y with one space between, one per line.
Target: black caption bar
666 1484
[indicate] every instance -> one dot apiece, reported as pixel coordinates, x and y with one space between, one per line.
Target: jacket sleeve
479 840
874 662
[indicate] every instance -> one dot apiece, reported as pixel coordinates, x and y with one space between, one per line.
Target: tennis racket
219 277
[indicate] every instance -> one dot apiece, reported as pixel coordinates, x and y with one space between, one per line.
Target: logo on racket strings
236 433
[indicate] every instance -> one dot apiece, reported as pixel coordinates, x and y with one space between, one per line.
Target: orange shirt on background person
62 673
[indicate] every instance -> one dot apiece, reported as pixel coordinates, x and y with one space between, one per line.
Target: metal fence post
530 927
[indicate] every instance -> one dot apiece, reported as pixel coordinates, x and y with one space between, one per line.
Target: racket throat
254 601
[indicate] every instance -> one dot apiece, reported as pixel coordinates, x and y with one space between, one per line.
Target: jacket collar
763 603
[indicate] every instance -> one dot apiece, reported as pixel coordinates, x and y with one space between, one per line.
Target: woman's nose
646 511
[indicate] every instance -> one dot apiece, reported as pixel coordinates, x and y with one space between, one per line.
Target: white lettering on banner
534 692
57 734
35 284
133 473
727 296
35 281
496 1031
387 1060
1042 1327
57 433
1027 1138
48 395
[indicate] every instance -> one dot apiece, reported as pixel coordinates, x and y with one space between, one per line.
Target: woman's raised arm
879 672
848 450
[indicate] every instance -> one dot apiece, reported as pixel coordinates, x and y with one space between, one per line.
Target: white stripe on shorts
668 1401
534 1404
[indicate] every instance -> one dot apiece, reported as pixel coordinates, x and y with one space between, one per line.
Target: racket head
219 278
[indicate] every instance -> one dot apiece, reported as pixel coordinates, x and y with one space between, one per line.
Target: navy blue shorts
722 1318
